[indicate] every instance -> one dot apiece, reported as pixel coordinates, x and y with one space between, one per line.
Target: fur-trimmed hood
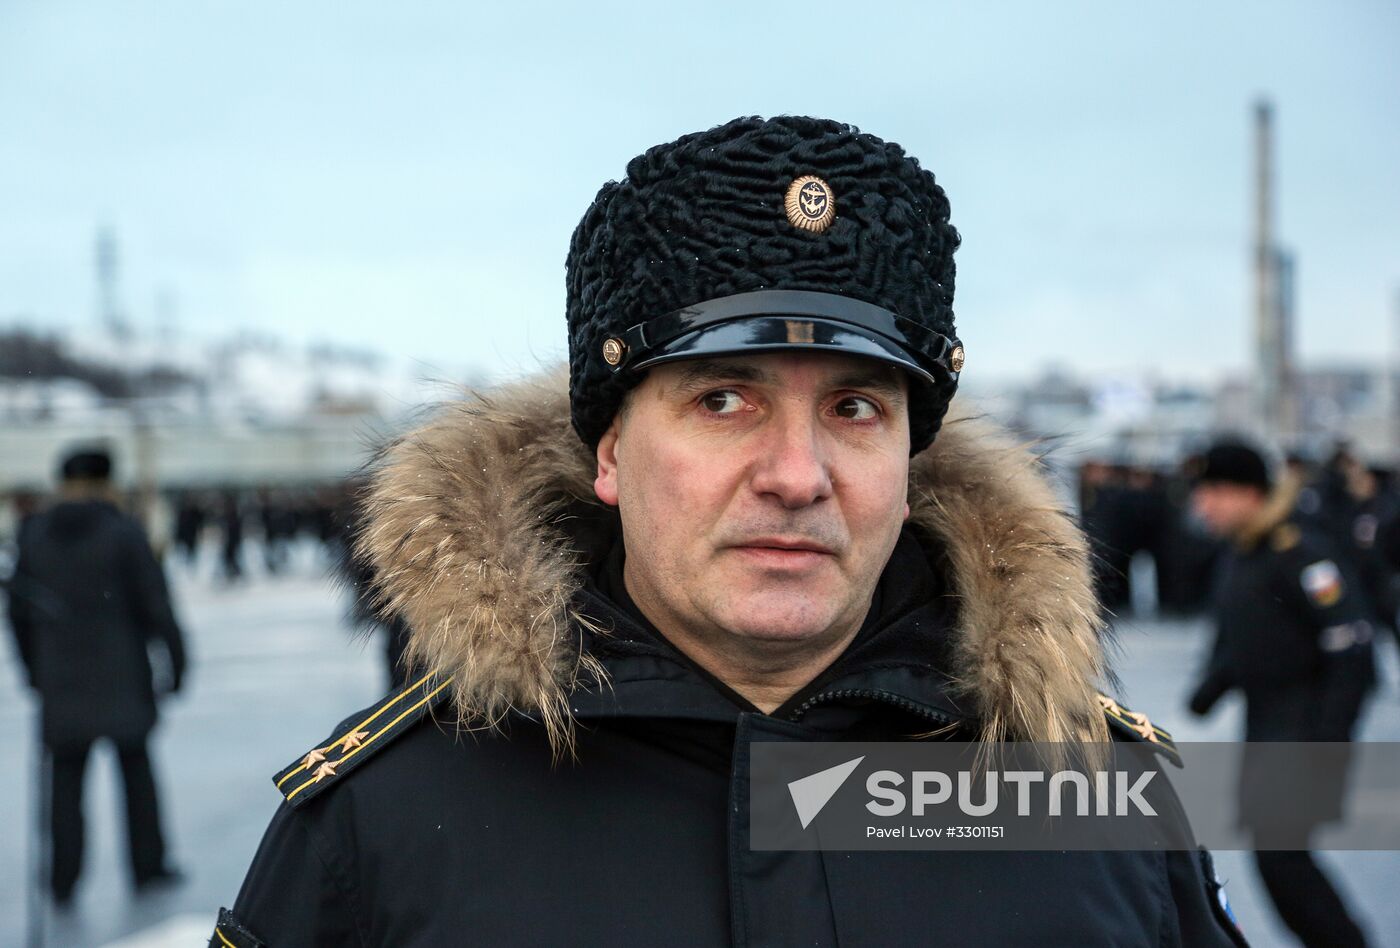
466 527
1278 506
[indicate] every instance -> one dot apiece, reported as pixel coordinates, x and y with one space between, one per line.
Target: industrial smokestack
1285 320
1272 300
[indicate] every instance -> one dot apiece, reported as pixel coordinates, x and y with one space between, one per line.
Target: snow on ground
275 670
1157 664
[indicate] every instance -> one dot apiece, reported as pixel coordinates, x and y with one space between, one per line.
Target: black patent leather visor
754 334
777 320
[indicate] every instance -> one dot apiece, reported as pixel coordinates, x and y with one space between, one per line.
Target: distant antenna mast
167 327
1392 372
1273 290
108 309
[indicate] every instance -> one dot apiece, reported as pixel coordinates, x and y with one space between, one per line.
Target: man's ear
605 484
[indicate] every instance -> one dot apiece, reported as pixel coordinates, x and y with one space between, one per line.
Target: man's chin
778 625
777 635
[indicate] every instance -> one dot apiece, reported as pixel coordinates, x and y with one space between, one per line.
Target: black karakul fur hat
1234 462
92 464
704 217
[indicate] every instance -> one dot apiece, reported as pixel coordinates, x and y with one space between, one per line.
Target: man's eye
857 409
722 403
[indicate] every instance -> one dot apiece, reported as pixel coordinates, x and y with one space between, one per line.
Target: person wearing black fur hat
88 604
747 513
1294 635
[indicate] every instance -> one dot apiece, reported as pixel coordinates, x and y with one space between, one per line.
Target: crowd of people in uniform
277 517
1350 513
727 530
1128 510
1300 569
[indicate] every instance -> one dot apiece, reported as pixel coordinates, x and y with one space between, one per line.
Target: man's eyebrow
703 372
880 382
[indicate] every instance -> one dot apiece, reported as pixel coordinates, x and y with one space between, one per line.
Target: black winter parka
87 603
1294 633
403 829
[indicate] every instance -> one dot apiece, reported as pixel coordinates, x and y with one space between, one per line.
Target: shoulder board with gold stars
357 738
1285 537
1135 724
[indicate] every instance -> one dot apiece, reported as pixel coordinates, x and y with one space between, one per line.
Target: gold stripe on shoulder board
317 755
1285 537
328 769
1135 720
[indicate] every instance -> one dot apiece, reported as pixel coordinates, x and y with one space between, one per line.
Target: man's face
761 496
1225 508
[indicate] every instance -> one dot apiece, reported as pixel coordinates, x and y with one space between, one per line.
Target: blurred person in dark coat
1185 551
357 573
189 524
87 602
1373 505
1387 547
279 527
231 519
1103 503
1294 634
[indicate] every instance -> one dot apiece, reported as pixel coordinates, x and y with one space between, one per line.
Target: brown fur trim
1278 504
461 528
1029 657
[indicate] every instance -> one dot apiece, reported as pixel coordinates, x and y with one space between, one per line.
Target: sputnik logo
813 792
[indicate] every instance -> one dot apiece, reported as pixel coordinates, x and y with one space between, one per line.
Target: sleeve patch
1322 581
1219 903
230 933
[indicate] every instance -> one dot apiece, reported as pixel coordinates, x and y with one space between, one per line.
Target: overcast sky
406 176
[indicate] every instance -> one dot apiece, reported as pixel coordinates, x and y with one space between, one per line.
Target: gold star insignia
325 770
1143 726
313 758
354 739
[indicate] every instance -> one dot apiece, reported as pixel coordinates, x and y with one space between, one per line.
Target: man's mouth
782 543
783 552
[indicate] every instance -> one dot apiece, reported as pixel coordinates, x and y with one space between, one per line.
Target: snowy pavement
1157 663
275 669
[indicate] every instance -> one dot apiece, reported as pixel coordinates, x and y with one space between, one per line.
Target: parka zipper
898 701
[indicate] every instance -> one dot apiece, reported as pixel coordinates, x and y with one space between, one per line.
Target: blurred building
1155 423
243 412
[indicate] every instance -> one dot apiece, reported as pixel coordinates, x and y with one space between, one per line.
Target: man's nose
794 465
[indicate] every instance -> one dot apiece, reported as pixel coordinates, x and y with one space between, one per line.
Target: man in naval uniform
1293 633
731 521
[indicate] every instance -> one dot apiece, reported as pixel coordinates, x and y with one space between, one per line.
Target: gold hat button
810 204
613 351
957 359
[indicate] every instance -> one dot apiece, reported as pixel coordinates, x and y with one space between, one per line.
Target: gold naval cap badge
810 204
613 351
